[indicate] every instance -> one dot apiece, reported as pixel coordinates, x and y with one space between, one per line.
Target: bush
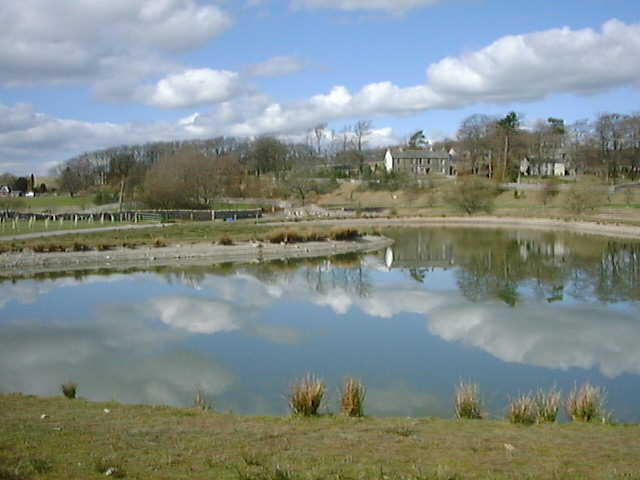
285 236
344 234
586 404
103 197
352 398
523 410
467 401
581 199
306 394
226 241
474 194
548 404
69 389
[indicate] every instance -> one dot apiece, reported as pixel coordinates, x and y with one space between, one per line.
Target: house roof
420 154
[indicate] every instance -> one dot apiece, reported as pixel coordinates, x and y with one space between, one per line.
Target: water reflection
513 310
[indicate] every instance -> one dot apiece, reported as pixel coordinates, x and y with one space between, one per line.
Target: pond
511 310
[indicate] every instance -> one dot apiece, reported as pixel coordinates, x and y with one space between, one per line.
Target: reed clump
523 410
285 236
306 395
548 405
226 241
586 403
69 389
352 397
344 234
467 401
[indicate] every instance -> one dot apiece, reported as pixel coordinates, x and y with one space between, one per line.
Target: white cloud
87 41
393 6
514 68
532 66
193 87
277 66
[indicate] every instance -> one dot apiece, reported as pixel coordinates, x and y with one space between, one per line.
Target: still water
511 310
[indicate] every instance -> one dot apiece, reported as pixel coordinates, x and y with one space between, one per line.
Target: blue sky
79 75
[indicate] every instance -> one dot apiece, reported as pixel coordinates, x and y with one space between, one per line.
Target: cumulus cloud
532 66
193 87
140 362
513 68
393 6
277 66
104 42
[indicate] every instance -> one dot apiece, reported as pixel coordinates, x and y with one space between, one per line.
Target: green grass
179 233
57 203
10 228
78 440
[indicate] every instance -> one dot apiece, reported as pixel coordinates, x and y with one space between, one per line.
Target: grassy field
618 207
179 233
80 439
62 203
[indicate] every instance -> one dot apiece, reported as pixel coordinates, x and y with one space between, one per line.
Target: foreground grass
77 439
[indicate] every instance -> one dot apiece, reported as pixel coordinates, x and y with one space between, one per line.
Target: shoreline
592 228
178 255
59 438
26 263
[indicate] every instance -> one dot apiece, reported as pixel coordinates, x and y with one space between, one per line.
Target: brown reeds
352 397
523 410
306 394
586 403
467 401
548 405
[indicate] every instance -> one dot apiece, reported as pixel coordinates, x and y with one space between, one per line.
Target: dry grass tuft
548 405
586 404
352 397
69 389
306 394
523 410
226 241
467 401
344 234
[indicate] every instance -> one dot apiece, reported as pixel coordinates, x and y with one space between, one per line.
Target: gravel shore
26 263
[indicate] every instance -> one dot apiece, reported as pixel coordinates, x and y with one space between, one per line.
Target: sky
81 75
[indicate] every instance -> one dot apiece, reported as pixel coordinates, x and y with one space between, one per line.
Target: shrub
159 243
473 194
467 401
586 404
306 394
285 236
69 389
79 247
581 199
548 404
523 410
352 397
344 234
226 241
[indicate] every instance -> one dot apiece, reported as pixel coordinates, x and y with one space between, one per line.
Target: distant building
421 162
557 166
5 190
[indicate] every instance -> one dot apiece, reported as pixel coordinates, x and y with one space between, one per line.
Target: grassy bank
81 439
224 233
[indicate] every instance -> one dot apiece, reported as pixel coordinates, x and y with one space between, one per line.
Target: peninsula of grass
56 438
220 233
